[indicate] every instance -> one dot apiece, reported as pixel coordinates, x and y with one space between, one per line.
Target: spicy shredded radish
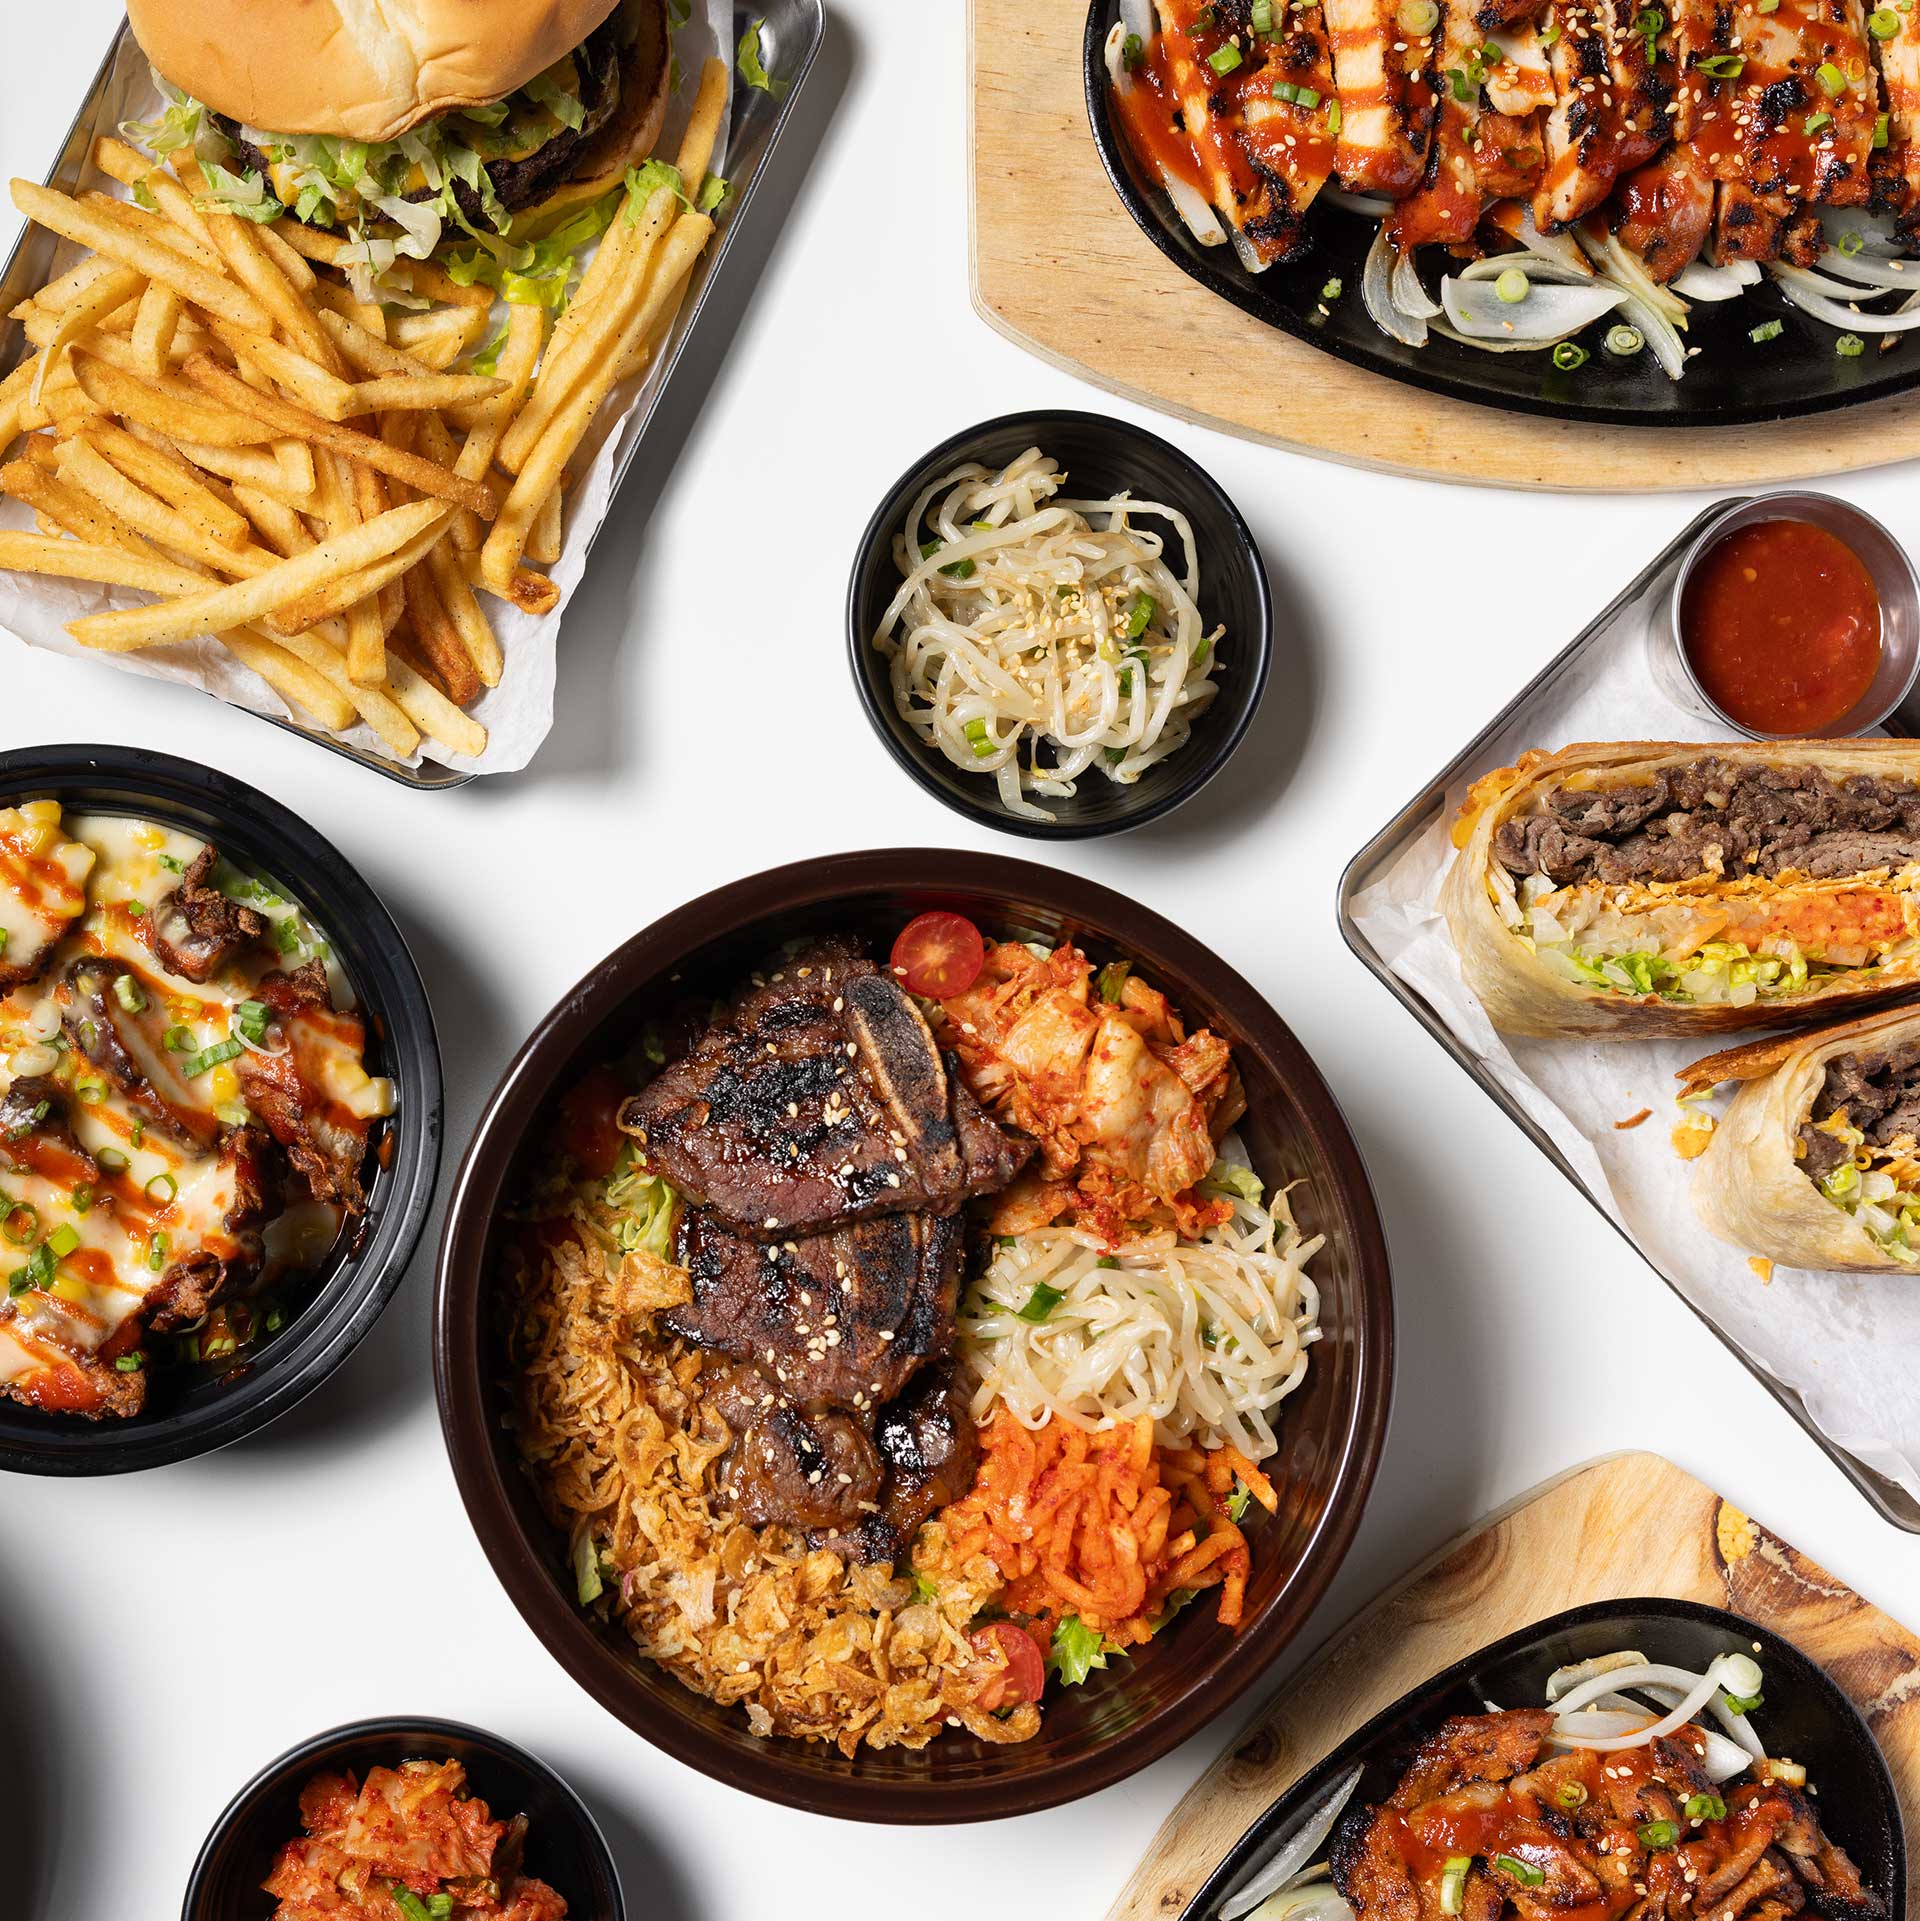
1206 1335
1034 638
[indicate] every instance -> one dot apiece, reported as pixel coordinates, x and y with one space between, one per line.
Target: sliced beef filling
197 929
1712 816
1880 1094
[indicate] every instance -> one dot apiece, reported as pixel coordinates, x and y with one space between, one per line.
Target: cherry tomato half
938 956
1025 1674
589 1122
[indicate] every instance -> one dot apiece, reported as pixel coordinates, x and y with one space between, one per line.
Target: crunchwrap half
1639 888
1815 1163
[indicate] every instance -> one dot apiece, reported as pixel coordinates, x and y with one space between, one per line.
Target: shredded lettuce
180 124
245 194
753 68
649 1206
564 106
1078 1649
713 195
536 273
586 1571
1230 1178
487 360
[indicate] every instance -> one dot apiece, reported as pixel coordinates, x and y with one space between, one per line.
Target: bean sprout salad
1037 638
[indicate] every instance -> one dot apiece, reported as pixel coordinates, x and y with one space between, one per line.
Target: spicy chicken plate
887 1338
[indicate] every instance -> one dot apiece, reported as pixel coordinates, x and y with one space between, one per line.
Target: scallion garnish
1522 1871
111 1159
1132 51
164 1189
177 1039
1140 616
1570 1794
1041 1302
251 1019
129 993
63 1240
21 1223
1332 290
1260 16
1722 66
1569 355
157 1252
1705 1807
1744 1703
1767 330
1831 78
1881 129
980 739
1851 242
1624 341
1817 122
1657 1834
1849 346
1513 286
1223 60
208 1057
1453 1883
81 1200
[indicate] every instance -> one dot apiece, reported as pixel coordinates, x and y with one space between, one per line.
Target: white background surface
162 1637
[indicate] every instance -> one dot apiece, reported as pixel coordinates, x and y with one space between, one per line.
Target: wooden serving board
1631 1525
1061 269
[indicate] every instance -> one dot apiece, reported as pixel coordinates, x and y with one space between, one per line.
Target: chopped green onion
21 1223
1336 119
1766 6
164 1189
409 1903
207 1057
440 1906
980 740
1818 122
1849 346
232 1114
1112 981
129 993
139 1133
1657 1834
3 940
1744 1703
38 1271
1706 1807
1522 1871
177 1040
1453 1883
1570 1794
157 1252
1286 90
1106 1260
1307 97
1767 330
1041 1302
1881 129
1851 242
1223 60
1132 51
1624 341
1722 66
1513 286
1569 355
1260 16
111 1159
1883 23
63 1240
1419 16
1331 290
81 1200
1551 31
251 1019
172 865
1140 616
130 1363
1831 78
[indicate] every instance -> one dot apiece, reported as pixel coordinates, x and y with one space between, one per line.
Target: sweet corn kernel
67 1288
223 1083
149 837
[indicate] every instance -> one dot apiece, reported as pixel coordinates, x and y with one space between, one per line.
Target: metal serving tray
791 32
1374 860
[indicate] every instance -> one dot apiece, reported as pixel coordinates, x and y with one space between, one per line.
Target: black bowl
565 1847
1102 456
1805 1716
195 1410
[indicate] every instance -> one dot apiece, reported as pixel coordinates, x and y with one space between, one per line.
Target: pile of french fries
322 485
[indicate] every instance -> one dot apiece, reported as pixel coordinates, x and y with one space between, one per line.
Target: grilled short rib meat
1570 1835
1878 1093
816 1100
843 1319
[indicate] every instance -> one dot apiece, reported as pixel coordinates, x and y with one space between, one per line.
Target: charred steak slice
811 1471
844 1319
817 1099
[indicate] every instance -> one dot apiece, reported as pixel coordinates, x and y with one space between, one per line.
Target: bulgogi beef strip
197 929
819 1099
1880 1095
844 1319
815 1471
1713 816
127 1043
1585 1833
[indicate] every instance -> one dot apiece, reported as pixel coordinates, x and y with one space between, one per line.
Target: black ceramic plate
565 1847
194 1410
1731 381
1805 1716
1102 456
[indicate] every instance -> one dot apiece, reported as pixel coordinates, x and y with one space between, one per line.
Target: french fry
446 331
517 357
298 684
248 261
295 460
531 592
83 465
58 295
438 639
465 612
154 224
171 479
246 601
277 524
547 458
299 275
254 467
645 349
703 125
432 712
60 559
374 705
306 379
56 502
107 295
164 402
154 327
411 276
543 538
337 596
417 393
365 351
421 475
366 637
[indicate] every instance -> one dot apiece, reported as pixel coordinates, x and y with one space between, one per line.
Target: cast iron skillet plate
1330 1431
1731 381
1805 1718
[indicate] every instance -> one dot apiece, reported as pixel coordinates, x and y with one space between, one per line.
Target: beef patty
1712 815
818 1099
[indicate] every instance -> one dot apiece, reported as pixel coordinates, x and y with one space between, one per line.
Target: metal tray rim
1891 1502
431 776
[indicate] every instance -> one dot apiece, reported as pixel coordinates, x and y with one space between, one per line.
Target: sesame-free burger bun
365 69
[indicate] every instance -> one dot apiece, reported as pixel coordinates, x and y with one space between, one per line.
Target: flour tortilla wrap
1522 995
1750 1187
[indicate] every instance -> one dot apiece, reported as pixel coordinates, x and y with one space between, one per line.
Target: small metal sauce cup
1893 579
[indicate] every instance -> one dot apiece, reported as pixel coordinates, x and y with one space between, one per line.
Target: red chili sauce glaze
1781 623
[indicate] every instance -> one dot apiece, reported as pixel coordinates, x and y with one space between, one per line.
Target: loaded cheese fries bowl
219 1109
913 1334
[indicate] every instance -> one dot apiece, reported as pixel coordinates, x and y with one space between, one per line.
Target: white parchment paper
517 713
1849 1344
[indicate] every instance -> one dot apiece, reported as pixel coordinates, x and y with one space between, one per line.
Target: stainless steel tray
1379 854
791 32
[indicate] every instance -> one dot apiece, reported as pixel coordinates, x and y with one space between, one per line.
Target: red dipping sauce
1781 623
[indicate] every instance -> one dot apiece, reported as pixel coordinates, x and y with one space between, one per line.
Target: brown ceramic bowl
1331 1436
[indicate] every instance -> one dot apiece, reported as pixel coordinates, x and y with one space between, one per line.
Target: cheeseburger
403 123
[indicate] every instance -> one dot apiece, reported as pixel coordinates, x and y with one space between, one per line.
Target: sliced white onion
1299 1848
44 1022
1409 296
1200 218
1136 16
1318 1901
1249 254
1870 270
1490 346
1792 281
1622 265
1703 1689
1376 294
1551 310
1561 1679
1372 205
1660 334
1514 219
38 1059
1698 281
1877 232
1118 78
1724 1758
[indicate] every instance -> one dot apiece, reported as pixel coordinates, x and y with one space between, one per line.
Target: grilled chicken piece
197 929
43 889
1610 108
1664 211
816 1100
844 1319
1383 77
1263 154
1898 163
